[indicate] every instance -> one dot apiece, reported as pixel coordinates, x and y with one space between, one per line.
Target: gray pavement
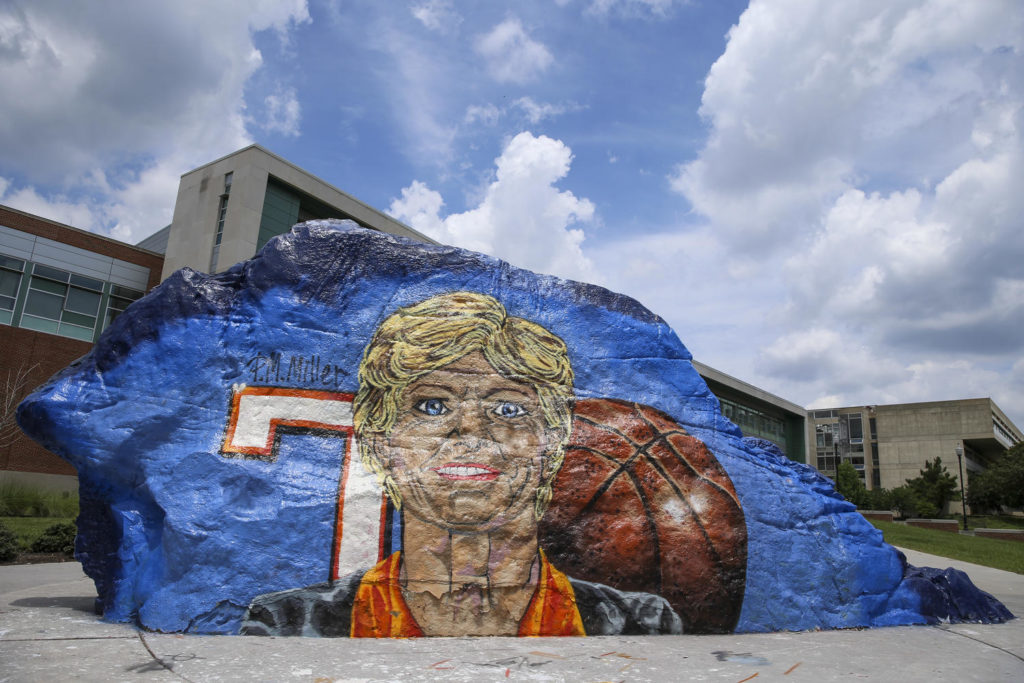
48 632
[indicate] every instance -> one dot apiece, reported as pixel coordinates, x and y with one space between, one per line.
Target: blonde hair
414 341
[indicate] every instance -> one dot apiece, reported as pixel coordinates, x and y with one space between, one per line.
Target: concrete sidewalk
48 632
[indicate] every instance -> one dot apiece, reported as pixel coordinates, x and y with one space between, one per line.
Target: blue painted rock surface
229 446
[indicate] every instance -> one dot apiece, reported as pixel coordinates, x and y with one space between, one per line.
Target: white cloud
538 111
419 78
532 111
145 91
523 218
868 157
512 56
809 97
656 8
702 288
437 15
487 114
60 208
283 113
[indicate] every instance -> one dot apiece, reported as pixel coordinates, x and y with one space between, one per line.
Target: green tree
1002 484
933 488
983 492
849 485
904 501
879 499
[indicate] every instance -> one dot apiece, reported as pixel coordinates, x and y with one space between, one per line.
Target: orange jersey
380 611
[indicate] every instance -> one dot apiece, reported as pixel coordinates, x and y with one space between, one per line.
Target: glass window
82 301
9 282
75 332
856 427
41 324
49 286
44 304
78 319
58 308
51 273
120 299
12 263
86 282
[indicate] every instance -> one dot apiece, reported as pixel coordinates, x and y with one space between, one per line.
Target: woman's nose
469 424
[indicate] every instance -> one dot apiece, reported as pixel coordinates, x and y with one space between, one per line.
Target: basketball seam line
687 463
623 466
637 446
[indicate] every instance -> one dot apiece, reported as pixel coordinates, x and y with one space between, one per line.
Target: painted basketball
640 505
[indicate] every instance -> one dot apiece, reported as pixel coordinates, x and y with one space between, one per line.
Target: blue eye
509 410
432 406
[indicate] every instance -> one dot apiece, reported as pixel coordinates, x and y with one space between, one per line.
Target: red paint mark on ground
790 669
747 678
508 672
435 665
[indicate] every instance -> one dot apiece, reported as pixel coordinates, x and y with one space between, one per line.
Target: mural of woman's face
468 449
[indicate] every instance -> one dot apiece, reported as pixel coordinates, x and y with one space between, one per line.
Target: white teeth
462 471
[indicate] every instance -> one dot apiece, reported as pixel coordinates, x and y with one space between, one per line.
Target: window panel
51 273
86 282
78 319
9 282
48 286
5 317
856 428
75 332
83 301
117 303
44 305
33 323
125 292
12 263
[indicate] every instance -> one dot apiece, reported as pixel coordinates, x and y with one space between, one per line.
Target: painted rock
353 434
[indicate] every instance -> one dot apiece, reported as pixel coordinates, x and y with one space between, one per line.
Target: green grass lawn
989 552
28 529
992 522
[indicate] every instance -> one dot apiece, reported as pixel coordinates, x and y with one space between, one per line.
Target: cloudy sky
823 198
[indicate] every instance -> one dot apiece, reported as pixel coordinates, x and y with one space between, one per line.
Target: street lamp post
963 498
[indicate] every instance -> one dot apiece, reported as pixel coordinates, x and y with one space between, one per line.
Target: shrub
933 488
58 538
8 544
878 499
849 485
22 500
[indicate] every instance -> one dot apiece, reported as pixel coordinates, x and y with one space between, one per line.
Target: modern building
228 209
888 444
59 289
758 413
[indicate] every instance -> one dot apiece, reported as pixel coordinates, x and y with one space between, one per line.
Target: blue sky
822 198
